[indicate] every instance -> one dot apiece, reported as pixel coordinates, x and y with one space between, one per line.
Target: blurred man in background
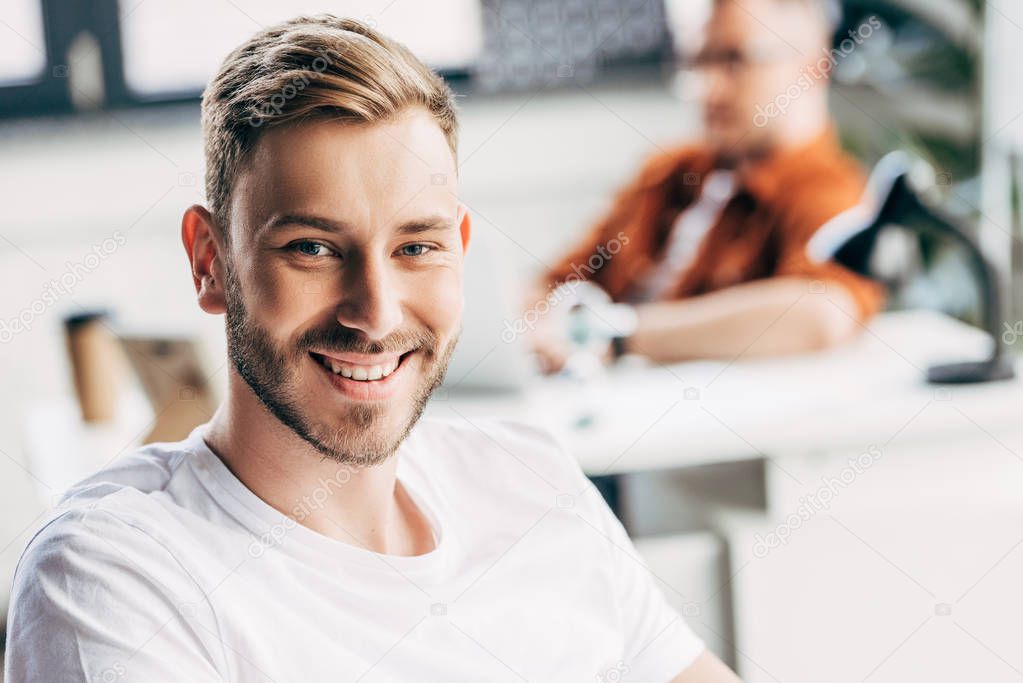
708 241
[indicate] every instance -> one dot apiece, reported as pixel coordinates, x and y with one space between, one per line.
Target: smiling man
315 530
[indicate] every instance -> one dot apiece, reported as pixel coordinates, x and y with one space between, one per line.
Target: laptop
492 354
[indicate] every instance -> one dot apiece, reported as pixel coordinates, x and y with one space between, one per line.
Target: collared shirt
687 235
762 232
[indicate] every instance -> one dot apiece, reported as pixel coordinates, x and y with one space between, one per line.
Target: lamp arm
984 270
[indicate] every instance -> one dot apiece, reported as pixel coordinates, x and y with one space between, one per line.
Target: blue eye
307 248
414 249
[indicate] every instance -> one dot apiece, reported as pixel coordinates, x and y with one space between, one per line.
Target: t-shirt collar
263 520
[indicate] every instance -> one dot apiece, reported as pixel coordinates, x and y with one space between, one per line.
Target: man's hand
551 347
588 310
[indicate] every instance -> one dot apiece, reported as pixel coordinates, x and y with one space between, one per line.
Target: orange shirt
762 231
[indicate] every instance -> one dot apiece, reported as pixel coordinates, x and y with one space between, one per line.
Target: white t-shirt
165 567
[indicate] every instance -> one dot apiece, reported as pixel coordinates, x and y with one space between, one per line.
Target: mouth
718 117
365 377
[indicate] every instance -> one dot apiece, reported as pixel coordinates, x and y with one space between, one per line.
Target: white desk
710 412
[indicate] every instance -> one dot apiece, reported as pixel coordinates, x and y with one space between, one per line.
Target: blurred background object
893 202
560 102
170 370
93 353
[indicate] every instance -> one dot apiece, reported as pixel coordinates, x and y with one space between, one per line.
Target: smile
360 373
363 377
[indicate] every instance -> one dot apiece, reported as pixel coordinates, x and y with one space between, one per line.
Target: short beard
264 367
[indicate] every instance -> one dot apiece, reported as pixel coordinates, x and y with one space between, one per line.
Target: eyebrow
411 227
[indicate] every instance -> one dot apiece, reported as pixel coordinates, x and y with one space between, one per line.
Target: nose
717 87
371 301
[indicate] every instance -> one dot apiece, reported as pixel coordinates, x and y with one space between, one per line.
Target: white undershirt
165 567
687 234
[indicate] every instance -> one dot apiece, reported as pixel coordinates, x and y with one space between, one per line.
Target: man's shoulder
95 573
826 168
114 510
143 472
472 431
468 434
116 502
821 167
117 532
495 448
85 545
668 162
81 529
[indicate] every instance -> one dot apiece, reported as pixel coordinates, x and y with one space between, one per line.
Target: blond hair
310 67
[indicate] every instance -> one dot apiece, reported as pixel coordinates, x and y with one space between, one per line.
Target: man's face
344 292
753 52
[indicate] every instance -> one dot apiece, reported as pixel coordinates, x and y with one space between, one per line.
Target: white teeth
362 373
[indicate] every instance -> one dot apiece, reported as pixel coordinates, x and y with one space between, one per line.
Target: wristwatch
623 320
618 347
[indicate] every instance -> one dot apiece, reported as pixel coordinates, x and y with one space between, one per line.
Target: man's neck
791 139
365 507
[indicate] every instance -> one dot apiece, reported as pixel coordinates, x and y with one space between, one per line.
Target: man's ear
464 226
203 248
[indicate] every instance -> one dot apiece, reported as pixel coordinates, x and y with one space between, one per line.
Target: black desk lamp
849 239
